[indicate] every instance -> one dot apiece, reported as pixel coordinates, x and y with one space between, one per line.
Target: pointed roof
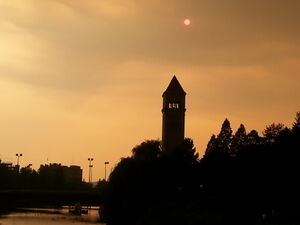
174 88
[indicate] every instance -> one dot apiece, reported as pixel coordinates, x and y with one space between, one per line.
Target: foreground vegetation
243 178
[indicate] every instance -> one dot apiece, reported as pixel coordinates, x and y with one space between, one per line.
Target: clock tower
173 112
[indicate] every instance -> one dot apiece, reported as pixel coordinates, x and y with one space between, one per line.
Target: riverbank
48 217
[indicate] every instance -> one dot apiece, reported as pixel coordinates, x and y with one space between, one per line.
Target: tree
149 176
133 184
147 150
272 131
220 145
211 145
239 139
224 137
186 152
296 124
253 138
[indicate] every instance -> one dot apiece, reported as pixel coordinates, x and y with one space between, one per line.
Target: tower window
173 106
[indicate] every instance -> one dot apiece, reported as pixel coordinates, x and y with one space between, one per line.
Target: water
50 217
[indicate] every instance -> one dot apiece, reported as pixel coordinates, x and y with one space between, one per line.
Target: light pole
90 169
18 160
18 156
105 163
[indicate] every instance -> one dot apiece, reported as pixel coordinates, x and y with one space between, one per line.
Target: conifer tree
211 146
238 140
224 137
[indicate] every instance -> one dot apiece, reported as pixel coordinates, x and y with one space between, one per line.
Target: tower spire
174 87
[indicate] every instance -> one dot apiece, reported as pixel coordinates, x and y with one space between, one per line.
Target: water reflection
49 217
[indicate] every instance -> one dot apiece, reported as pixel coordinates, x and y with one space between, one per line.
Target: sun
187 22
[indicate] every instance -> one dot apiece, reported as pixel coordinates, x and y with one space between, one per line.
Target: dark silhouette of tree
178 169
221 144
215 165
148 178
223 140
239 140
211 145
186 152
148 150
271 132
296 124
253 138
132 185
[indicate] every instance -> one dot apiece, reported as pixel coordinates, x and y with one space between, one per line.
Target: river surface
50 217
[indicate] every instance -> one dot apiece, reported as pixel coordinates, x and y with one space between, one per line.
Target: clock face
173 105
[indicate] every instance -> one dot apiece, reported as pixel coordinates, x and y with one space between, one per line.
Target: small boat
84 211
77 210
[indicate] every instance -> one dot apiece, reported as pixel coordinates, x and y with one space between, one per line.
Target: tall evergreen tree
211 146
224 137
238 140
221 143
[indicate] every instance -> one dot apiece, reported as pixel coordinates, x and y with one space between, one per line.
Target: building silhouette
7 166
69 174
173 115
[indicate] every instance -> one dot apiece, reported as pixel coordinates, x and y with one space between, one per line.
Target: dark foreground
243 178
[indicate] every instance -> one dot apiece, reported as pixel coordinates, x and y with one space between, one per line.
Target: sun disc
187 22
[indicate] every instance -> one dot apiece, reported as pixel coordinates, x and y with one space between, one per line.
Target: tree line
243 178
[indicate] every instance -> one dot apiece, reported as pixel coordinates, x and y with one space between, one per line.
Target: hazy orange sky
82 79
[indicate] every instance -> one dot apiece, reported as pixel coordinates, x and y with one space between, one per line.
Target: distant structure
173 113
7 166
70 175
73 174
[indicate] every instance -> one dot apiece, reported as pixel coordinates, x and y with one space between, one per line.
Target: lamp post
90 169
105 163
18 156
18 160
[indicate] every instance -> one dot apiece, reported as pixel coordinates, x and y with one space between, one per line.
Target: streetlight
90 169
18 159
105 163
18 156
